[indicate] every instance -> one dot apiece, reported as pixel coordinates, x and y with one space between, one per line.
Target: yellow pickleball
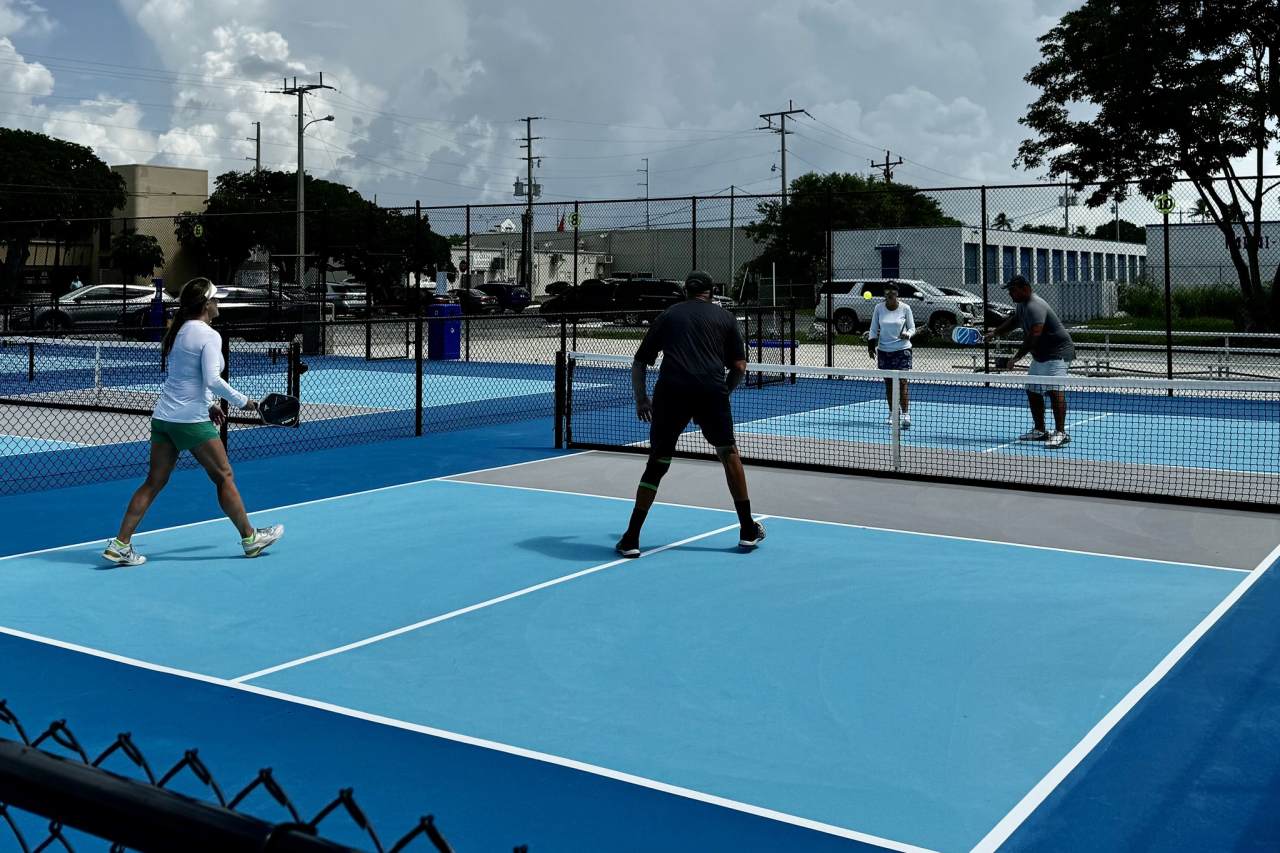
866 294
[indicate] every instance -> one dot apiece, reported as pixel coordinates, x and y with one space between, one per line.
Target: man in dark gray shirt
1051 349
699 341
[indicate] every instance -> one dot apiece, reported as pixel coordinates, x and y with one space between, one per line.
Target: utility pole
782 135
256 139
530 190
645 184
648 236
1067 201
886 168
301 92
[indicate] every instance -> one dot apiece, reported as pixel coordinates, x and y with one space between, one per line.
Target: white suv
851 310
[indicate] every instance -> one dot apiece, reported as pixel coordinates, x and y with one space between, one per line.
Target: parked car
933 309
995 312
102 305
641 300
348 297
473 301
510 295
593 296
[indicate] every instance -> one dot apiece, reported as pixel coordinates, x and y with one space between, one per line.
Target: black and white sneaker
751 538
629 548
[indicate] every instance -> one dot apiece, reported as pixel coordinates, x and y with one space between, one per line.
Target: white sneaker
888 419
1057 440
906 420
1034 435
261 539
122 554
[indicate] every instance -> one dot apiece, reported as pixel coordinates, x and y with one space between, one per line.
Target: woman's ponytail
195 294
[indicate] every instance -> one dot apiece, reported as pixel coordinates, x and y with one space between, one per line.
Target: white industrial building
1077 275
1198 254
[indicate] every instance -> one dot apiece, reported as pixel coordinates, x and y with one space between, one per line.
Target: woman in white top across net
186 418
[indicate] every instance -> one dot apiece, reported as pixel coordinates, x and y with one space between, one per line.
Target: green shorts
182 436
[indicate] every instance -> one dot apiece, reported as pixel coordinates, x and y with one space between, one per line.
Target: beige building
155 195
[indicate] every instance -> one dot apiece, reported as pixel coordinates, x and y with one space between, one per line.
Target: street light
302 239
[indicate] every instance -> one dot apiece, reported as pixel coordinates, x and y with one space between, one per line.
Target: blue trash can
444 332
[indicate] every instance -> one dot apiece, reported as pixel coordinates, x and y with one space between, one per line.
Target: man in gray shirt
1051 349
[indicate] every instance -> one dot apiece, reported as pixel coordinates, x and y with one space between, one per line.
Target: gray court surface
1129 528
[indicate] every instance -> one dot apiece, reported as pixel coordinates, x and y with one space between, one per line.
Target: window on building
1025 266
1073 266
1086 266
991 269
1111 267
1042 266
1133 268
1099 264
889 260
1010 263
1142 267
1057 264
971 263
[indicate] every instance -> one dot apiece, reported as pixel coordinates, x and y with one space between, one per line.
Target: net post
895 425
417 373
568 401
831 332
97 374
368 339
831 339
31 362
559 399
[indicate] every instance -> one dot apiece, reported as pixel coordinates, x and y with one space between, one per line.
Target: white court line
853 526
496 746
461 611
345 496
1037 795
1069 426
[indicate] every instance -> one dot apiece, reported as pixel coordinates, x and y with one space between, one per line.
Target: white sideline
1037 795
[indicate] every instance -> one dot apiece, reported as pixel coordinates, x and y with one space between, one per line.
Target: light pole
302 206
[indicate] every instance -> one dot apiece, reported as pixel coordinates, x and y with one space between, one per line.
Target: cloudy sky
429 94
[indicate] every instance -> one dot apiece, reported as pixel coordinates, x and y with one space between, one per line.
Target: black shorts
674 407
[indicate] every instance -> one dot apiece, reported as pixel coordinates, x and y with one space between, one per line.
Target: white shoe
1057 440
906 421
261 539
122 554
1034 435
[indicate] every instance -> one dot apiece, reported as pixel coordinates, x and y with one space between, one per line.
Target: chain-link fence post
693 248
417 373
986 288
831 335
1168 304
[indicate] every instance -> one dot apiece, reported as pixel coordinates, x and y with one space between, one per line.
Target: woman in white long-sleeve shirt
186 418
889 343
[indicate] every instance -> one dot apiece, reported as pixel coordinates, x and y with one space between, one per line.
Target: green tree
51 187
1002 222
136 254
397 246
1194 90
256 210
795 236
1129 233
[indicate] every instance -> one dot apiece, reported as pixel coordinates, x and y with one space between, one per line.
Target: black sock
637 521
744 514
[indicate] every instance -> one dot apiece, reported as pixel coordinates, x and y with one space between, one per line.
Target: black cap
1017 281
698 282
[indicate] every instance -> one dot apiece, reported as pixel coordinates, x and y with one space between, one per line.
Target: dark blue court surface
477 651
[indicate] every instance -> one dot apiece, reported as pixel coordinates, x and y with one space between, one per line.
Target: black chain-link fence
490 294
56 790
